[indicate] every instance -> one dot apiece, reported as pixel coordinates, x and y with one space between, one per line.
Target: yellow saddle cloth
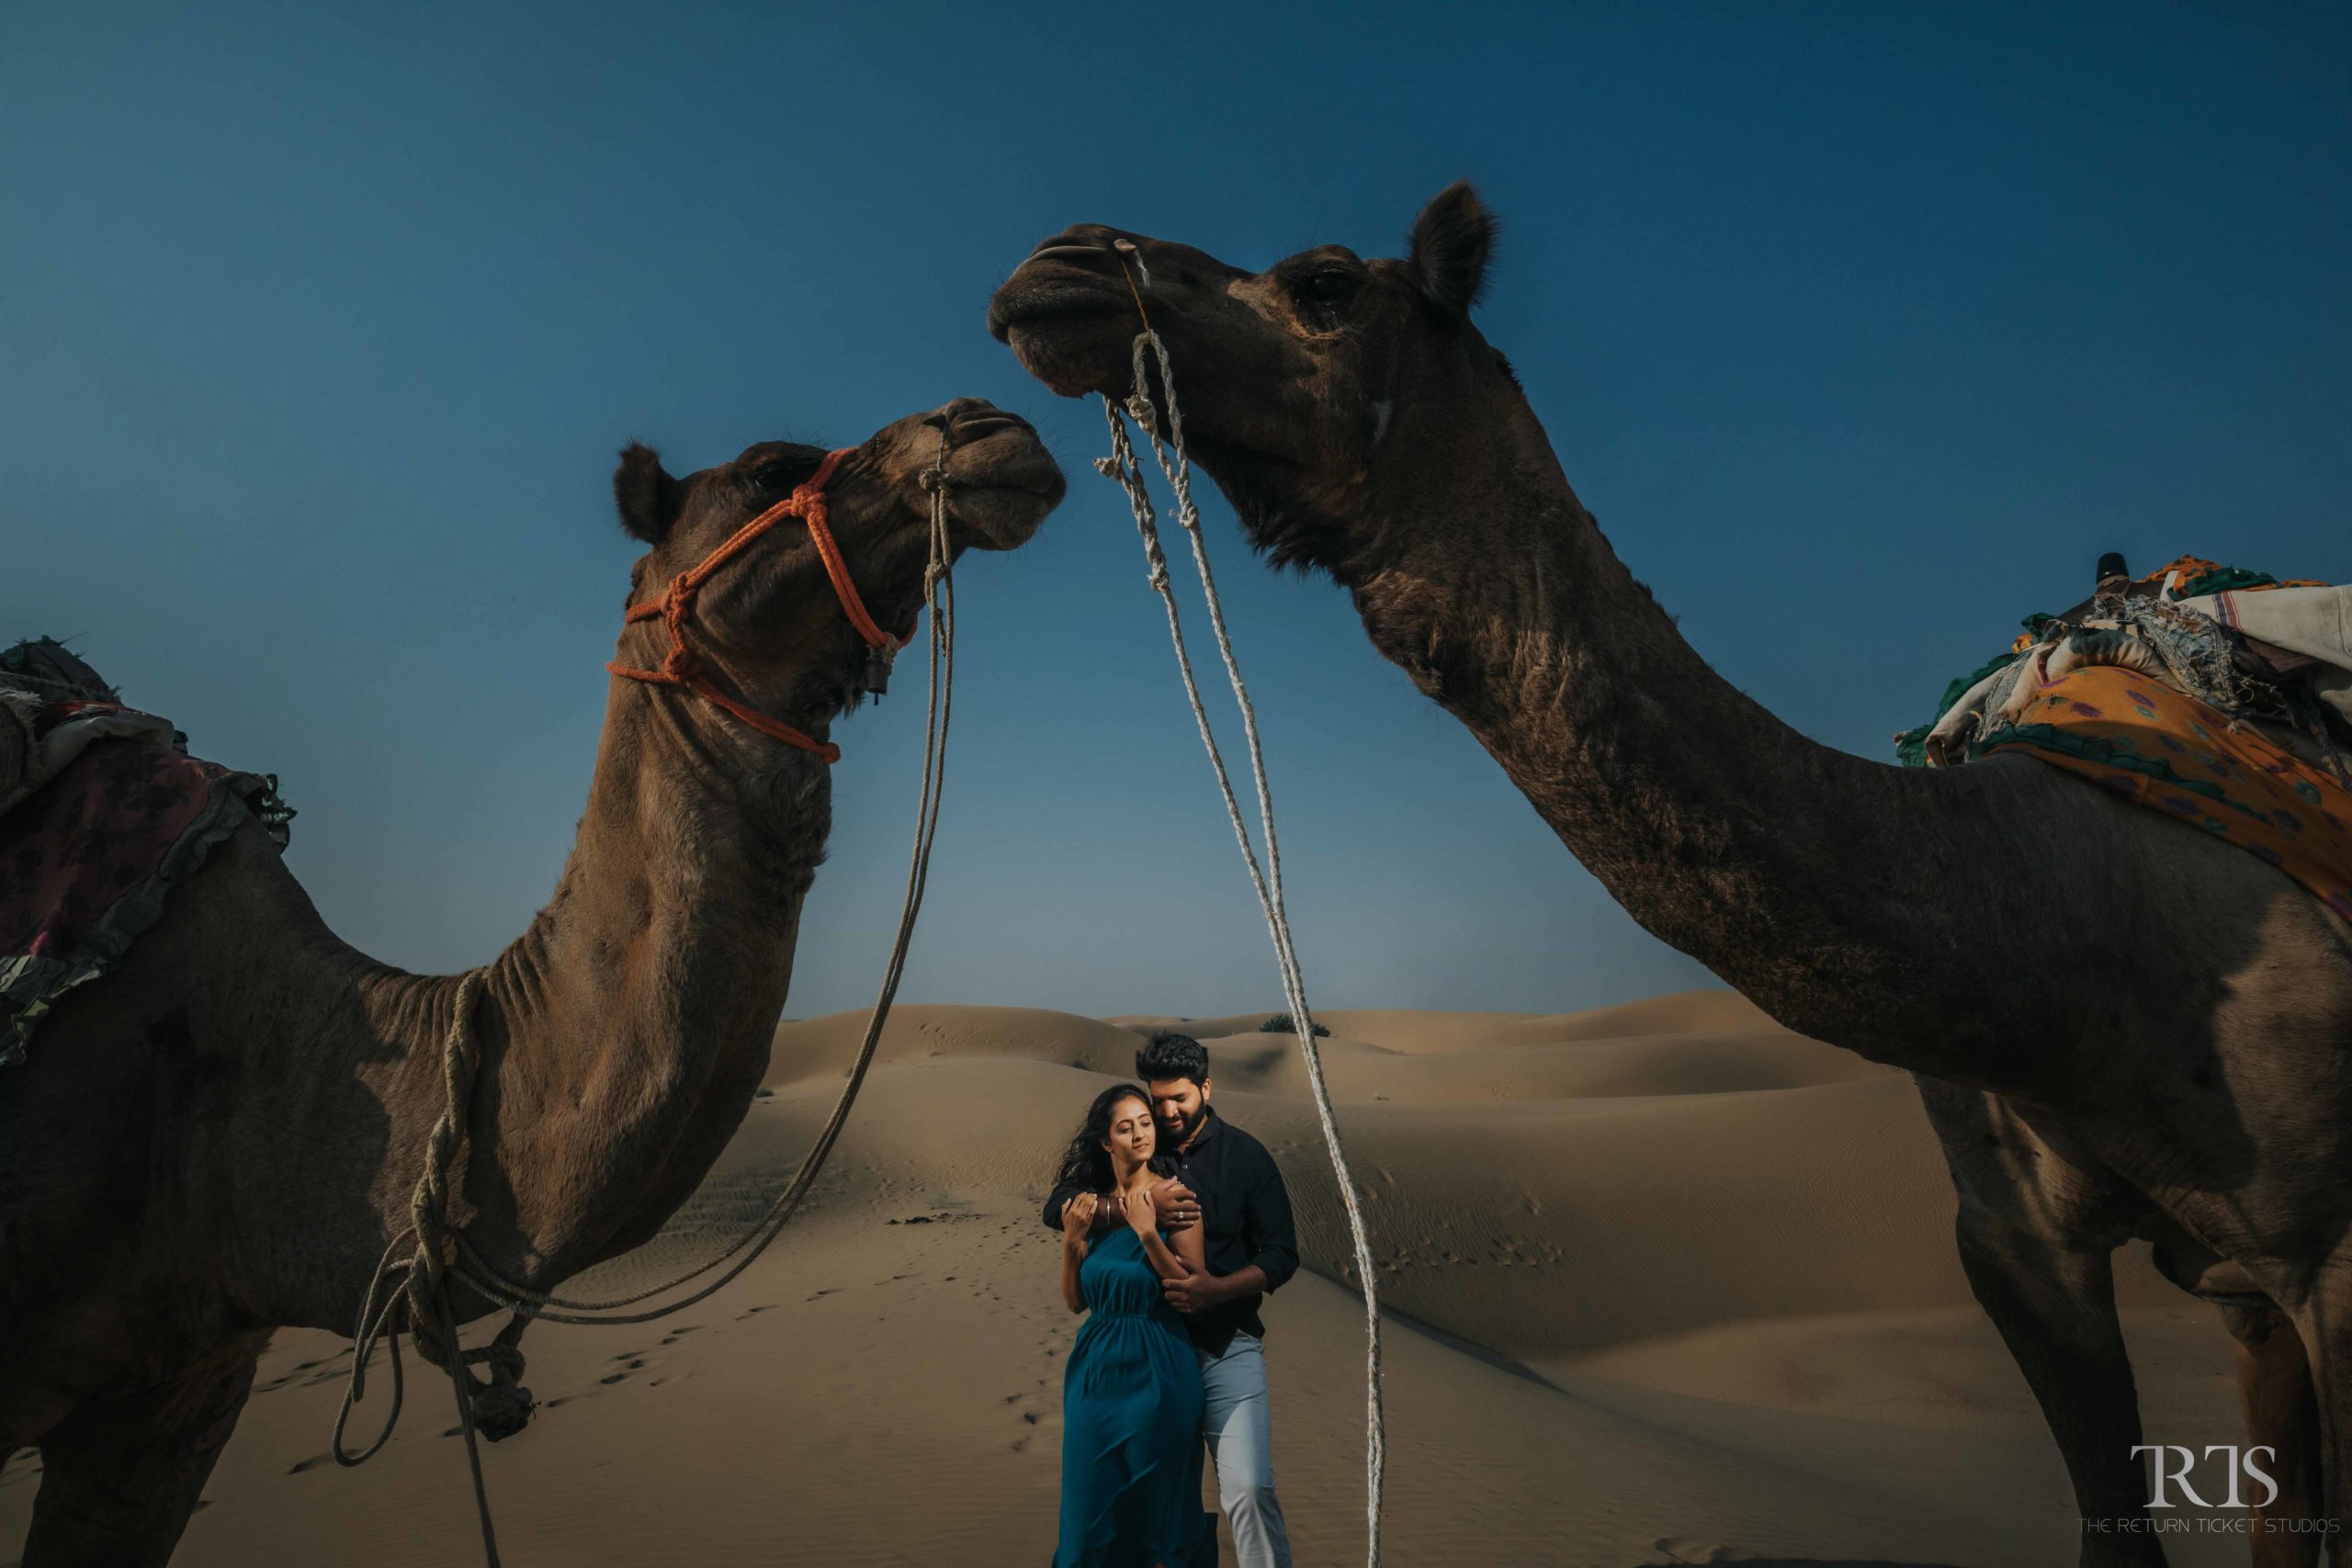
2170 752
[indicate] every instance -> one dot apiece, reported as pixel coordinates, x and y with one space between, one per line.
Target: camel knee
2034 1286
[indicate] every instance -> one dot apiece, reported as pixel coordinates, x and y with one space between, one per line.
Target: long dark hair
1086 1163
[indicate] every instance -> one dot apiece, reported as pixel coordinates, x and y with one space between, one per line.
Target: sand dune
1669 1285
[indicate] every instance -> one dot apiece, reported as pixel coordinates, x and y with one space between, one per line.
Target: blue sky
1862 329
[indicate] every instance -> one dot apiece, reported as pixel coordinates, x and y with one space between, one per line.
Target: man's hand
1078 1218
1176 1206
1195 1293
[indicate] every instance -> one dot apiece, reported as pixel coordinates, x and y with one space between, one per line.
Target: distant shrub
1281 1025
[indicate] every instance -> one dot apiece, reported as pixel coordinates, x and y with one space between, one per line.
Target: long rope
422 1300
1122 467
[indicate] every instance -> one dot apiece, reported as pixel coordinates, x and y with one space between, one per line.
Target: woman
1131 1393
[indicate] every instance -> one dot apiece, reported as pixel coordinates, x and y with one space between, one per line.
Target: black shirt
1244 1210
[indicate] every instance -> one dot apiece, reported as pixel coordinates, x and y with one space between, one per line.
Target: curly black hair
1086 1163
1168 1054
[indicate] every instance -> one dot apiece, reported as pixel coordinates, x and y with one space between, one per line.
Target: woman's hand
1078 1218
1140 1215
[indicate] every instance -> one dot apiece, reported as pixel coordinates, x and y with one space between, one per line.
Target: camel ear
648 497
1452 240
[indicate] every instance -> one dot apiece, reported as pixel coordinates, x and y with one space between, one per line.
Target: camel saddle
2221 697
102 814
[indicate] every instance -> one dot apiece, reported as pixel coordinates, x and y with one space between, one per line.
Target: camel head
1329 396
768 626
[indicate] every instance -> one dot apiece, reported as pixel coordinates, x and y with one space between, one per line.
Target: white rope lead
1122 467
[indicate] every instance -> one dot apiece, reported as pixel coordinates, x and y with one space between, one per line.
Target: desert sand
1669 1285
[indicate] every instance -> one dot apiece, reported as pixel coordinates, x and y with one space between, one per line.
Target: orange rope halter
682 667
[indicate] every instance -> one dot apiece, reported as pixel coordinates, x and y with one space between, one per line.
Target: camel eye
1328 287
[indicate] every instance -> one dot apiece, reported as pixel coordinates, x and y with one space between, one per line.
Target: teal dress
1131 1422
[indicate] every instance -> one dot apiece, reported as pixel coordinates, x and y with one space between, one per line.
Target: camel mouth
1027 301
1066 325
1001 482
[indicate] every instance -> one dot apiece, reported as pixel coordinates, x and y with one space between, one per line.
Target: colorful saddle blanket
102 814
2214 695
2166 749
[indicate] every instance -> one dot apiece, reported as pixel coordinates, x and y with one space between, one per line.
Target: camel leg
2037 1229
2281 1409
2324 1321
2055 1310
120 1476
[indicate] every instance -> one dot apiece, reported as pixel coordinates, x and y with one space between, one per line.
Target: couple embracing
1175 1224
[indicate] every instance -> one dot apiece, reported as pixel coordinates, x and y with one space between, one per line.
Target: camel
2119 1028
220 1137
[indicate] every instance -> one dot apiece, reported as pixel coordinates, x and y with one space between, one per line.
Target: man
1228 1183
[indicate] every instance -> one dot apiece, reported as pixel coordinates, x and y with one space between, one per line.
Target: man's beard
1185 1127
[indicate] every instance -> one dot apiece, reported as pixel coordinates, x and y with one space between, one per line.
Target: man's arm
1062 1195
1206 1290
1106 1216
1266 1226
1266 1223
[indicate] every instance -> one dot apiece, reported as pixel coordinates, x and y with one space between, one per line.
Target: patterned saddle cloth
2221 697
102 814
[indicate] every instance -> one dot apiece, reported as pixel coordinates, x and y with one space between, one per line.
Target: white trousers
1238 1425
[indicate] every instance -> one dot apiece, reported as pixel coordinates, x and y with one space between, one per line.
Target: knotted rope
1122 467
417 1286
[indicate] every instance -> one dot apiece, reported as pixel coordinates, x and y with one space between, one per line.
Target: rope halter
684 667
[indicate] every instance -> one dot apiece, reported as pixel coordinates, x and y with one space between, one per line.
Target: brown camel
2119 1027
222 1137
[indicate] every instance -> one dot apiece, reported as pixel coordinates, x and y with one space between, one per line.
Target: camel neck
1722 830
626 1032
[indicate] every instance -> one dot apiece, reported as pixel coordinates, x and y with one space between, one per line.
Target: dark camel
2119 1027
222 1137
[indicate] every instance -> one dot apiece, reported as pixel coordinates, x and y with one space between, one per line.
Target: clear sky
1863 329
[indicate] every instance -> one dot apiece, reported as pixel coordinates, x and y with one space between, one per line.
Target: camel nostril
984 422
1078 254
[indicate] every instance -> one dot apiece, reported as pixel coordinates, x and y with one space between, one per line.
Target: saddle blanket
2219 696
2165 750
102 814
